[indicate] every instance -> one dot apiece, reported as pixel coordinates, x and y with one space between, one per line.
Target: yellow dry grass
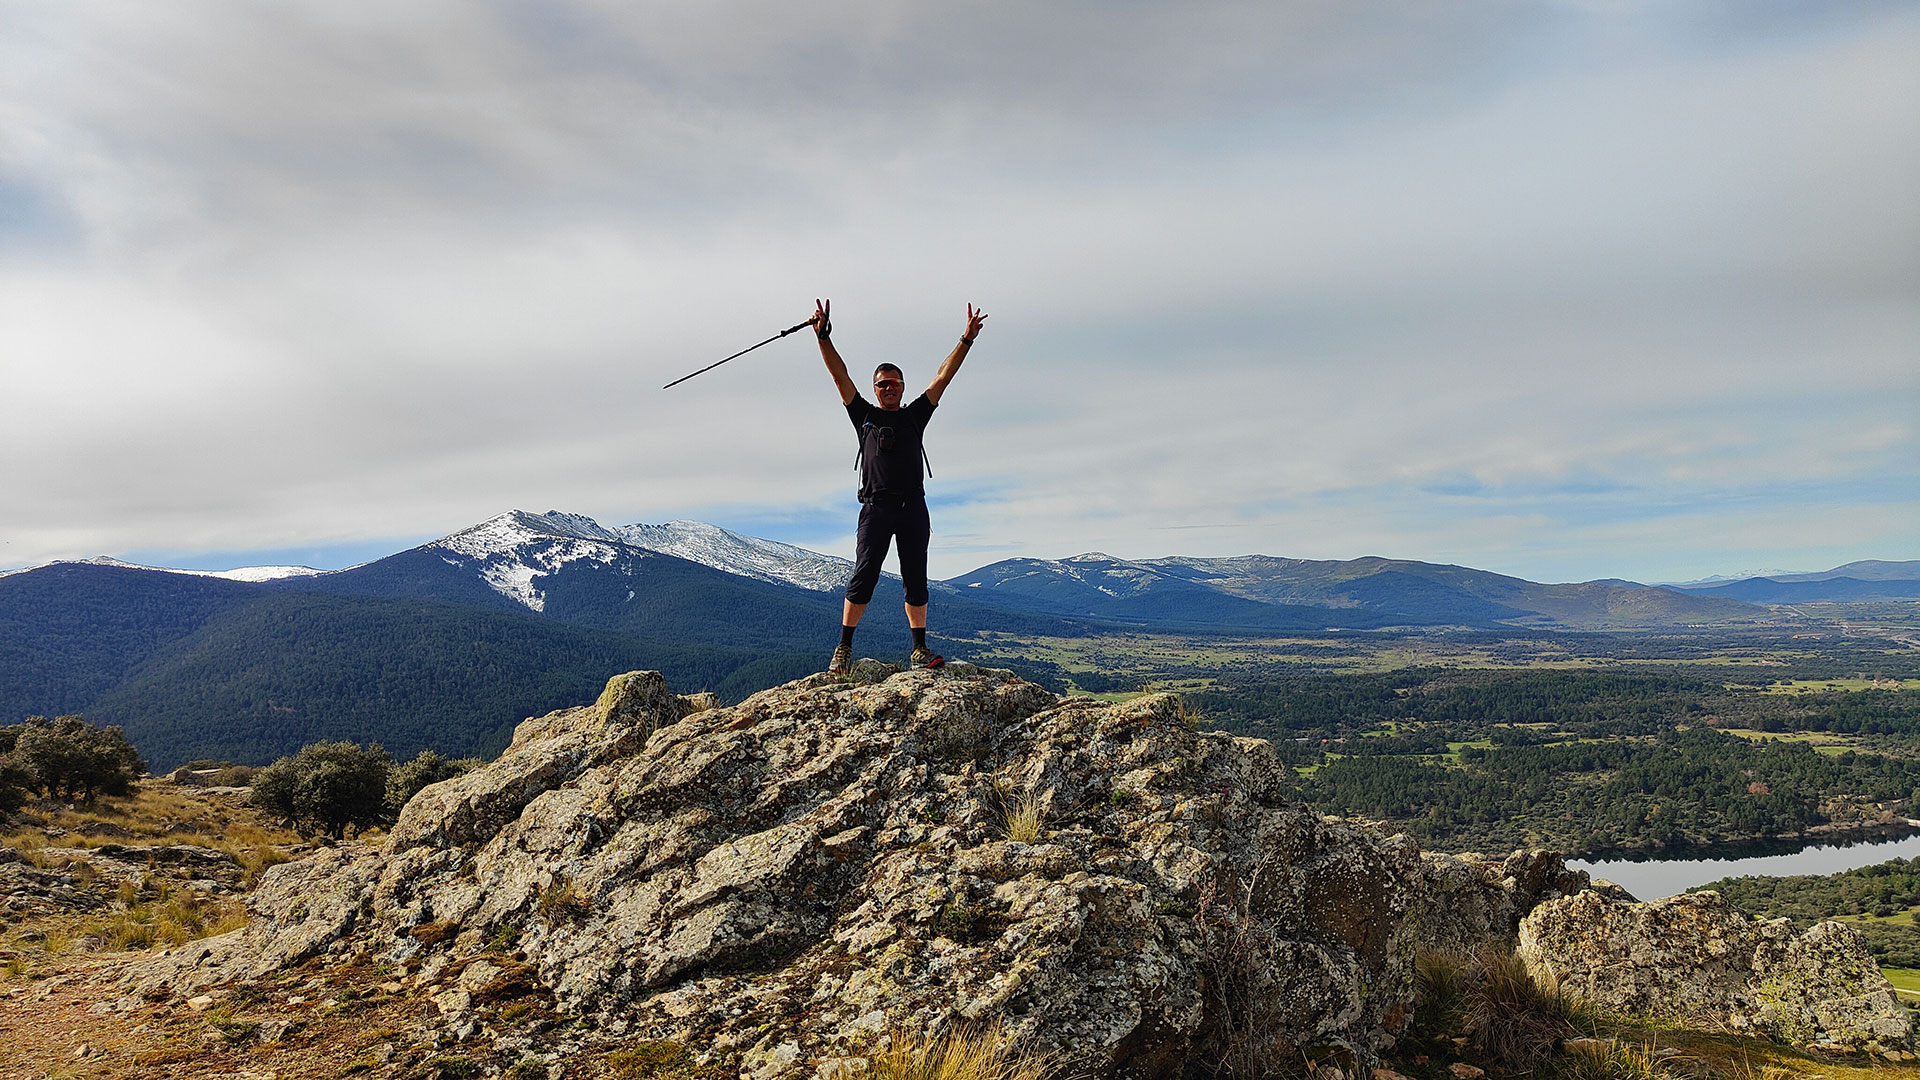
962 1054
1025 818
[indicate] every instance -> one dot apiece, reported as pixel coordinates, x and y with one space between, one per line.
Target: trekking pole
741 353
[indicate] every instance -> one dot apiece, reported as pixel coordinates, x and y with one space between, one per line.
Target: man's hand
951 366
975 319
836 367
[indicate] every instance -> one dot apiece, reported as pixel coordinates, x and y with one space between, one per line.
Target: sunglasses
887 384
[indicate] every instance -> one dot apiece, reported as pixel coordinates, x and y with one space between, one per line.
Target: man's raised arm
951 366
836 367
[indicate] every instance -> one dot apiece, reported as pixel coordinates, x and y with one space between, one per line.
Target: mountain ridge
1266 579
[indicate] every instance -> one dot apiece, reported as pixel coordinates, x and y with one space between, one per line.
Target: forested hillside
1582 761
271 676
72 631
412 651
1883 902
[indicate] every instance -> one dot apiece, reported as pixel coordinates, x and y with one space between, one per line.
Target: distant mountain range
447 645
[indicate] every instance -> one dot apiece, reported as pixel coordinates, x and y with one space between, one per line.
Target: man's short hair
889 367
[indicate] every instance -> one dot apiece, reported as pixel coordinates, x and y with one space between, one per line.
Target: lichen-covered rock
1695 959
546 752
786 882
1473 898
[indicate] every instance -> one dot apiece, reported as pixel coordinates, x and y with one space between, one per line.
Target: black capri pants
880 523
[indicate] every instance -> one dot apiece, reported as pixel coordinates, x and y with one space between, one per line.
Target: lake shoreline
1649 877
1752 846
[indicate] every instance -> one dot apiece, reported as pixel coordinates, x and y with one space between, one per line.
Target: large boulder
1473 898
1694 959
788 882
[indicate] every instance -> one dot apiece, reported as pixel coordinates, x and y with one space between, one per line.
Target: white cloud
327 272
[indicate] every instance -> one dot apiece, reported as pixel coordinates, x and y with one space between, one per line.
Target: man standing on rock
893 494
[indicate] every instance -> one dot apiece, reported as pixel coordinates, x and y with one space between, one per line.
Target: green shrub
405 781
327 787
66 757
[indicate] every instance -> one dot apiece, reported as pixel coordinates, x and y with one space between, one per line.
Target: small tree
71 758
326 787
16 783
405 781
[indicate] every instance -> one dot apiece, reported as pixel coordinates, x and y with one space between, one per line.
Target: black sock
846 636
919 636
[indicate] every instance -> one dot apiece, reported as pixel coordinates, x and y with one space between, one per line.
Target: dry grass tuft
1489 997
962 1054
1025 818
168 917
1613 1060
560 902
1512 1018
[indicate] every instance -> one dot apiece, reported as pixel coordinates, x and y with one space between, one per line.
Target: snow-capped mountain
748 556
1724 579
240 573
512 553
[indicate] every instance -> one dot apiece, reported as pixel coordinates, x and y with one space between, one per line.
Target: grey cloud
339 271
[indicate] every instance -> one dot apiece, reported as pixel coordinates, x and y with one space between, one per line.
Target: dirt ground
87 890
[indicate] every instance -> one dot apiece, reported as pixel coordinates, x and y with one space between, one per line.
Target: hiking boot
925 658
842 660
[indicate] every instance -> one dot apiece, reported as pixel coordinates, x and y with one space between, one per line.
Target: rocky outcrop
1694 959
783 885
1469 899
790 881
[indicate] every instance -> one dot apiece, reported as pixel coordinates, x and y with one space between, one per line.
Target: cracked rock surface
784 883
1695 959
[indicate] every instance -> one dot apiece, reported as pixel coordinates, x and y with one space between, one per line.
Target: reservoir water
1650 877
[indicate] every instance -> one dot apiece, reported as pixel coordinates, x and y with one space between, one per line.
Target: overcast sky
1564 290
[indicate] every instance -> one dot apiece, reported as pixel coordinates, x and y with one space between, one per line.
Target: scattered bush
152 917
405 781
327 787
66 758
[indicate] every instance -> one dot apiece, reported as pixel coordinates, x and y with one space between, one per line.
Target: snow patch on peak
257 573
515 581
1092 556
249 574
516 548
748 556
578 526
516 527
513 549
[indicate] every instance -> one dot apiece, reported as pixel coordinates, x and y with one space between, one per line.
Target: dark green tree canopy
328 787
405 781
67 758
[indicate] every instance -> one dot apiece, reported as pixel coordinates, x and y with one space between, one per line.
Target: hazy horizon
343 557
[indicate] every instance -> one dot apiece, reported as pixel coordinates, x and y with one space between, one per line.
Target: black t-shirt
890 446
